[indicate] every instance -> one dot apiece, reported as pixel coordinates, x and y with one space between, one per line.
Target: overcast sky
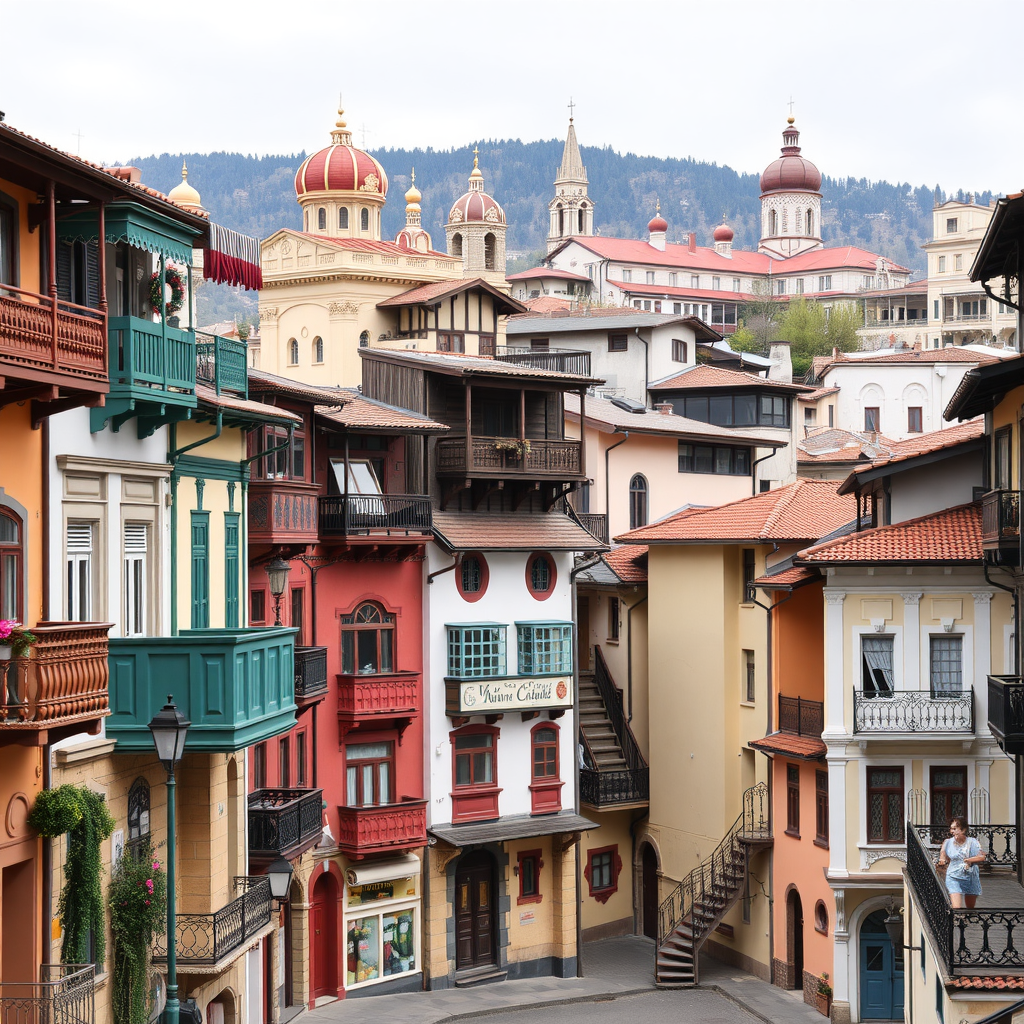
924 91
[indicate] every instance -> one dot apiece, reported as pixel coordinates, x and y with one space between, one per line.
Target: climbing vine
138 899
83 816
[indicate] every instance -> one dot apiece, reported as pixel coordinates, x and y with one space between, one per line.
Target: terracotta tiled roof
799 511
789 743
262 382
437 290
244 408
820 393
512 531
950 354
834 445
952 535
547 304
787 579
629 563
997 983
705 376
538 272
360 412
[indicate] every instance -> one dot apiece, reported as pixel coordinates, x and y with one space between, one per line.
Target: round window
540 575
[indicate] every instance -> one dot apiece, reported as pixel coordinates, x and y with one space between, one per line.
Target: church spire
571 211
572 168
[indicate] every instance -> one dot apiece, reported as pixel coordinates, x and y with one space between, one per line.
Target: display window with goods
381 931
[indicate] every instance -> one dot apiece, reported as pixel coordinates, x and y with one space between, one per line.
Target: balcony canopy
136 225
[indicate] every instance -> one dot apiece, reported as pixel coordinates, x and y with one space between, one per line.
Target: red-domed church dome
657 223
791 171
723 233
476 205
341 168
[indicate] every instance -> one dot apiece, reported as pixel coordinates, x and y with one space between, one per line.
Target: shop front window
380 941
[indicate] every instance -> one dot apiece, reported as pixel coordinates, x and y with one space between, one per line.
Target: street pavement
618 980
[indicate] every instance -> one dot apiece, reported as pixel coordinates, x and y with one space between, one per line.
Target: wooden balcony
284 822
310 675
1006 712
365 699
394 516
501 457
47 344
1000 527
282 512
222 363
595 523
382 829
62 688
236 686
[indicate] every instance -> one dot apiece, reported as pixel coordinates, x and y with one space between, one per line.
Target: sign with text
516 693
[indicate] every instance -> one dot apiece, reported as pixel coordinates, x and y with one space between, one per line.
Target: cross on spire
571 107
790 104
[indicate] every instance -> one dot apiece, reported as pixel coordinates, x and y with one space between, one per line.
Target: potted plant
823 997
15 640
517 449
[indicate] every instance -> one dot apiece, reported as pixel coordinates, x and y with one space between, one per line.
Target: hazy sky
924 91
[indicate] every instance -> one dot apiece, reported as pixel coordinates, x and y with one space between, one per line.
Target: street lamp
894 926
277 572
169 727
280 875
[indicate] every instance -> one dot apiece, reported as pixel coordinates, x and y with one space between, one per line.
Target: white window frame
79 569
135 581
966 633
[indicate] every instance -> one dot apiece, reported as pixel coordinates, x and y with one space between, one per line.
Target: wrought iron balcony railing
801 717
222 363
595 523
64 994
917 711
393 515
967 940
284 821
505 456
1000 519
310 673
615 787
212 938
382 828
1006 712
564 360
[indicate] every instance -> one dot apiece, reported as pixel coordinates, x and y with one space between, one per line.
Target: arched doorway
649 887
794 940
881 972
475 912
221 1010
323 925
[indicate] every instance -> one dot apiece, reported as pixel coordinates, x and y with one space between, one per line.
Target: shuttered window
200 570
231 570
136 543
79 548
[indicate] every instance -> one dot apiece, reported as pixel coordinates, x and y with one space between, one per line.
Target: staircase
597 729
698 903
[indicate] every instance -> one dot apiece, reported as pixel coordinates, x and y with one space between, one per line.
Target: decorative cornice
268 313
342 308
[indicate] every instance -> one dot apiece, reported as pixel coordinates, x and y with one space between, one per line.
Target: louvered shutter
64 264
79 539
135 538
92 275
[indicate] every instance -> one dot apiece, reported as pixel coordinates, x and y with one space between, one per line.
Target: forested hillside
256 195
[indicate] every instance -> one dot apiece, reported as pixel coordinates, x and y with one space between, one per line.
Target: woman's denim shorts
969 886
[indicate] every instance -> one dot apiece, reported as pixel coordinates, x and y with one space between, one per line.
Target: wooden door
323 924
475 903
650 891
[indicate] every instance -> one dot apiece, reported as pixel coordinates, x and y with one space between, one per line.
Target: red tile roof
951 354
792 745
371 245
952 535
705 376
814 396
541 272
801 510
787 579
365 413
512 531
547 304
437 290
629 563
997 983
834 445
263 383
243 407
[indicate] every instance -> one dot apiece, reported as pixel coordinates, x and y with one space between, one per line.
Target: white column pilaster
837 816
982 659
914 678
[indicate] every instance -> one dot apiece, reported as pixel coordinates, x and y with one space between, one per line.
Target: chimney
691 244
781 370
129 174
665 408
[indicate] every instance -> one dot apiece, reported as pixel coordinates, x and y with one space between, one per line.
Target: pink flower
156 865
7 626
149 885
147 903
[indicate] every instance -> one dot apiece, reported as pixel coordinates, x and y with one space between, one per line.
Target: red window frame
541 595
889 833
257 606
545 787
350 649
475 801
377 798
485 576
603 893
528 867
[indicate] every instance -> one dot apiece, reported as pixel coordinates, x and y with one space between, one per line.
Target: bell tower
571 211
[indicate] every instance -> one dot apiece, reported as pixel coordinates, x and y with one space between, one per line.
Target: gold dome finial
184 171
183 193
340 135
476 176
413 196
657 206
340 123
791 119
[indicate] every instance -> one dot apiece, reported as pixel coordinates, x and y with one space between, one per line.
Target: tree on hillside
812 332
761 314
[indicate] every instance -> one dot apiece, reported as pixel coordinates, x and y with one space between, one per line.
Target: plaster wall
615 915
944 484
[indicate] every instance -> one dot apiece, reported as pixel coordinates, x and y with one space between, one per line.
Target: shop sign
371 892
526 917
515 693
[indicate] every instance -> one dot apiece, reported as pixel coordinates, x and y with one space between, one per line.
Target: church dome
476 205
341 167
723 233
790 171
657 223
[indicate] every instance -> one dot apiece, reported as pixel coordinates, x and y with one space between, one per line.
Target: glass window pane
367 646
703 458
384 777
741 461
363 950
363 751
482 767
347 652
351 792
9 595
697 408
723 460
369 797
744 410
386 638
720 410
462 775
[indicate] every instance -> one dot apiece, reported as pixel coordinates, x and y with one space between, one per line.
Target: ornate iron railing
717 874
913 711
209 938
310 672
1000 518
64 994
282 820
800 716
222 363
1006 709
344 515
614 786
595 523
611 697
505 455
564 360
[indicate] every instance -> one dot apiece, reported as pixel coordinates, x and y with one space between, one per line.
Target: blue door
881 972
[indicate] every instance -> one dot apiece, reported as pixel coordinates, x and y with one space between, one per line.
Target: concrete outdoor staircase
597 728
699 903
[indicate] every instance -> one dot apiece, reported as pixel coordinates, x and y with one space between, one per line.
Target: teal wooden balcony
236 686
152 375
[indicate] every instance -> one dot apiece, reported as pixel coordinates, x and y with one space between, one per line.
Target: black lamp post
277 572
894 926
280 875
169 727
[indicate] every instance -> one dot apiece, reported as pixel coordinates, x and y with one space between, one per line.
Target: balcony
206 940
62 688
237 686
1000 526
986 939
505 457
64 994
310 675
1006 712
801 717
564 360
283 512
364 699
43 342
222 363
595 523
382 829
284 822
615 788
375 515
913 711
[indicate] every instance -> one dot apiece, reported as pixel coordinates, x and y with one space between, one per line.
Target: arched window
367 640
364 339
637 501
581 219
489 247
11 563
138 810
321 219
560 220
773 222
810 222
473 576
364 219
318 349
343 218
545 785
457 245
799 222
293 352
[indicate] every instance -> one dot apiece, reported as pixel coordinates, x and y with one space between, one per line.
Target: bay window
367 640
545 648
476 649
369 774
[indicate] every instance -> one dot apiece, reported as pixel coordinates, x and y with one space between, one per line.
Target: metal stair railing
611 697
707 883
